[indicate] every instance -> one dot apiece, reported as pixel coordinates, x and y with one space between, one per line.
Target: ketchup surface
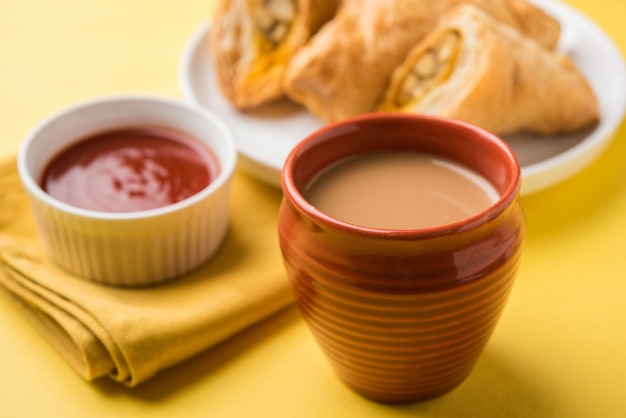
130 170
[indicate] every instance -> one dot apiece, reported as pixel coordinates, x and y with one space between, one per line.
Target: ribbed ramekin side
135 252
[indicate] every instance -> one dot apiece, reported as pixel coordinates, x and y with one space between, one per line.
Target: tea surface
400 190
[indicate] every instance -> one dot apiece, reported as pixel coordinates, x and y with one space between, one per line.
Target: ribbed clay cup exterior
402 315
132 248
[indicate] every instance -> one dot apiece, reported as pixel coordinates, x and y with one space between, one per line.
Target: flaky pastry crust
345 68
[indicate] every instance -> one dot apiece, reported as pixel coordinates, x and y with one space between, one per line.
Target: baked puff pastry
251 42
344 69
473 68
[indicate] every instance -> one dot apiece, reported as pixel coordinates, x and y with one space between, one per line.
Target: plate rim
602 136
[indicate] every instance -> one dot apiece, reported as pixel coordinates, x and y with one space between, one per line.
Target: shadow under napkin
131 334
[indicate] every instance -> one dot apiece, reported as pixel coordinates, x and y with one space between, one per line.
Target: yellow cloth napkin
131 334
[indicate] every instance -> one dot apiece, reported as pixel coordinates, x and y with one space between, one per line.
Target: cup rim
291 191
227 166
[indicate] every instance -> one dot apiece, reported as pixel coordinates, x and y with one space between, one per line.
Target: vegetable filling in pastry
430 69
273 18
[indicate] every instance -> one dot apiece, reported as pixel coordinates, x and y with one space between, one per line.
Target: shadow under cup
402 315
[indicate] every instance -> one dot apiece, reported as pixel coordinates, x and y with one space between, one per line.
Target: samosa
251 42
476 69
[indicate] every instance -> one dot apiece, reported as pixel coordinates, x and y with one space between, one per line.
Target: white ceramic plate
266 135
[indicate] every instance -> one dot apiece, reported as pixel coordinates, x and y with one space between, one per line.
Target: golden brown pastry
345 68
473 68
251 42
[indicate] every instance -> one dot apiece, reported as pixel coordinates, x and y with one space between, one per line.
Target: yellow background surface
559 350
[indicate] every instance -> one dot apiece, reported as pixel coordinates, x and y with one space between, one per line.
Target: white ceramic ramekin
133 248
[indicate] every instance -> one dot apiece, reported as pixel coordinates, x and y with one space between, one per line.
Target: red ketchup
130 170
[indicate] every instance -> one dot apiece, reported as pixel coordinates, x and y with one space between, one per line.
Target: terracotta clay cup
402 315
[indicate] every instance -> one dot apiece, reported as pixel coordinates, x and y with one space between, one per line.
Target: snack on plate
473 68
345 68
252 41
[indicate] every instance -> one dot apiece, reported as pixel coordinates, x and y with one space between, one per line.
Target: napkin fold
129 334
